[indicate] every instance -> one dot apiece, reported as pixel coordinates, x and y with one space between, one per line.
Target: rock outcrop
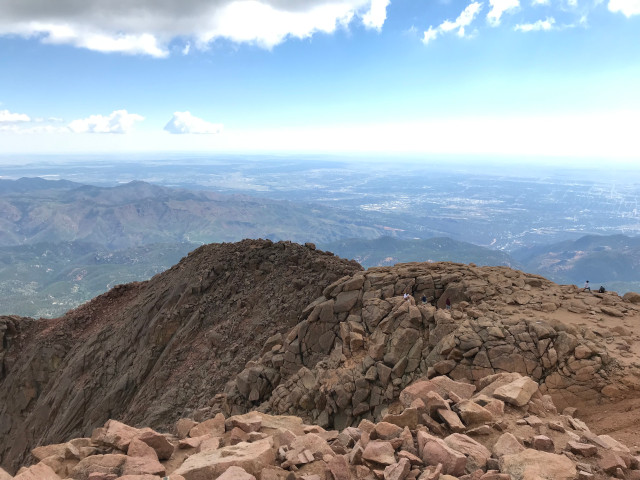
360 343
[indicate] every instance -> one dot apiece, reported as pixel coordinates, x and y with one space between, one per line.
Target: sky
529 78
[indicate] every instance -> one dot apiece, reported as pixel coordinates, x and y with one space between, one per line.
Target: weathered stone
214 426
111 463
436 451
451 419
339 468
137 448
252 457
387 431
408 418
249 422
441 385
543 443
183 426
380 452
158 442
583 449
610 461
476 453
397 471
39 471
518 392
507 444
142 466
533 464
65 450
116 434
473 414
236 473
433 402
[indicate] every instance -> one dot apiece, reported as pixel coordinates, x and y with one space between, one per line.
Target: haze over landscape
319 239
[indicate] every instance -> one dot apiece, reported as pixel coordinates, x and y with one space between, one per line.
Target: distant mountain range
612 261
62 243
386 251
139 213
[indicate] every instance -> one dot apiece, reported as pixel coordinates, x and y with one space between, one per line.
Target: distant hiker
587 286
447 304
601 289
406 296
424 299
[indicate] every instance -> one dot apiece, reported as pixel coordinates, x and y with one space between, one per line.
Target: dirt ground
619 418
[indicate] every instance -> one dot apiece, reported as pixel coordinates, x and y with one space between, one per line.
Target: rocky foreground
287 334
504 429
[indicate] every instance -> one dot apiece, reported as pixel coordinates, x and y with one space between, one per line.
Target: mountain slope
146 351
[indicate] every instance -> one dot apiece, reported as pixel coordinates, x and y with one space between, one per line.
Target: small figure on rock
406 296
447 304
587 286
601 289
424 299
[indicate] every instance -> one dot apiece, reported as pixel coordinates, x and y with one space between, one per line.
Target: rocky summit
279 361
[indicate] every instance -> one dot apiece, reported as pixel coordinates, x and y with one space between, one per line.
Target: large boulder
518 392
39 471
535 465
252 457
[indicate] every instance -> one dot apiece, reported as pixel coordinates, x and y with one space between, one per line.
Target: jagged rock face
361 342
148 352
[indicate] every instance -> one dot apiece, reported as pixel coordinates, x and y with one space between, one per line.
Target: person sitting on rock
406 296
601 289
447 304
424 299
587 286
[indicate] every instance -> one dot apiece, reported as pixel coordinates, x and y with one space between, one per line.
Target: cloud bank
148 27
119 121
184 122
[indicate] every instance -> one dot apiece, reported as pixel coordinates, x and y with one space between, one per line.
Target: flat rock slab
252 457
533 465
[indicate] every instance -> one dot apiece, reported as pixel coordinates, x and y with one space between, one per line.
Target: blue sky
498 77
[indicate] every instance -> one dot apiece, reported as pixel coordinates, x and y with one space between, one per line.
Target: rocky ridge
146 352
446 430
360 343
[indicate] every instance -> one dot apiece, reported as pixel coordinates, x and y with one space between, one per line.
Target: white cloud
536 26
464 20
186 49
626 7
8 117
119 121
148 26
498 7
184 122
376 15
540 2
